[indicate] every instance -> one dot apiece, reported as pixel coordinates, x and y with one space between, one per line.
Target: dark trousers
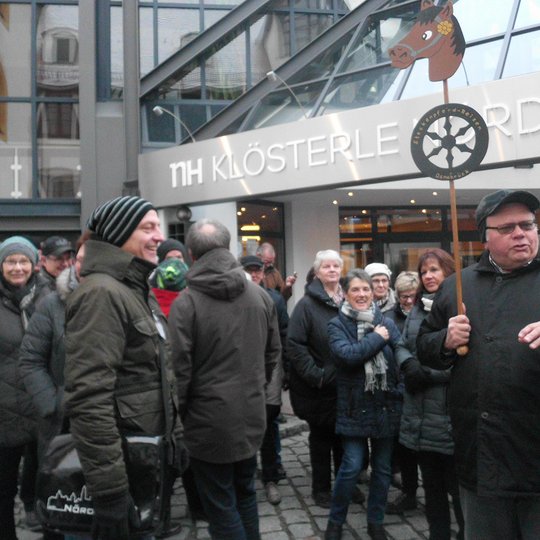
270 459
407 460
192 495
29 476
439 478
324 447
10 459
500 518
227 492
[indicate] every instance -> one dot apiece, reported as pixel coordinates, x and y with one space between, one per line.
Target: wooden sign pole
463 349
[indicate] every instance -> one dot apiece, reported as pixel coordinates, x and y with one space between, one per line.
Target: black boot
333 531
376 531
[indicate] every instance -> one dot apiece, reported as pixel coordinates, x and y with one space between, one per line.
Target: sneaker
333 531
169 529
322 498
401 503
358 497
31 521
376 531
273 496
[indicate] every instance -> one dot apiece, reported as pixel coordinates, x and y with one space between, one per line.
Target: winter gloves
114 517
417 377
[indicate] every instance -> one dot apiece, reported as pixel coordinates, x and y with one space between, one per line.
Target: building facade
284 119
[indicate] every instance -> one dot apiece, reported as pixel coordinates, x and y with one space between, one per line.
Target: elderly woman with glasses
20 289
405 287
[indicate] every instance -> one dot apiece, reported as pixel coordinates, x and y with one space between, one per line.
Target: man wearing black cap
271 467
494 389
56 255
115 352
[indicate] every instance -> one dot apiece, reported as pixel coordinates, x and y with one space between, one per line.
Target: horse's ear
426 4
448 10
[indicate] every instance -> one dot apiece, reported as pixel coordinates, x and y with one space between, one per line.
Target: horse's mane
427 16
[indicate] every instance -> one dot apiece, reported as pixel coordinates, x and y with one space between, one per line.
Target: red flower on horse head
436 35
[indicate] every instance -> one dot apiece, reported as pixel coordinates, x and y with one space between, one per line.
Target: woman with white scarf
369 400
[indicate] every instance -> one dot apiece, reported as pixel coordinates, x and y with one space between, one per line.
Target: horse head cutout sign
436 35
451 140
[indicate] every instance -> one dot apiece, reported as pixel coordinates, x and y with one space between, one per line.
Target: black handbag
63 503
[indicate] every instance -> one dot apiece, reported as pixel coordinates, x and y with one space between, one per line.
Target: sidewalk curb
293 426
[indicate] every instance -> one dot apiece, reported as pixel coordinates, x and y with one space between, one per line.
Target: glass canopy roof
503 40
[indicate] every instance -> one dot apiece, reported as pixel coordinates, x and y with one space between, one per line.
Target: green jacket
112 371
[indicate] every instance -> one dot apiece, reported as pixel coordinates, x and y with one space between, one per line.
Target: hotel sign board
357 146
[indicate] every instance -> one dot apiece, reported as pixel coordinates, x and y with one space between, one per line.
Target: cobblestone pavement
296 517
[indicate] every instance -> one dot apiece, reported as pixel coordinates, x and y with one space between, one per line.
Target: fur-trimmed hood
66 283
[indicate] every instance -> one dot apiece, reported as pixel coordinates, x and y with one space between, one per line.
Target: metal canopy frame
205 44
219 123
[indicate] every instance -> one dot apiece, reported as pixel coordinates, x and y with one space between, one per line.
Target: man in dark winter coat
494 405
271 468
115 349
225 341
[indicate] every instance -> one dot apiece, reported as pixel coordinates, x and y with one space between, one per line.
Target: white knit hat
378 268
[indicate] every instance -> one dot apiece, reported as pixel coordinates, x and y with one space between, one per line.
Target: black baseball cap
56 246
251 260
490 203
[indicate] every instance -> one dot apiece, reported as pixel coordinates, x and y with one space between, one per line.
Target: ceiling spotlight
412 201
334 201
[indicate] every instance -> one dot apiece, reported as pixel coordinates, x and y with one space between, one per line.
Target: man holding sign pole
493 394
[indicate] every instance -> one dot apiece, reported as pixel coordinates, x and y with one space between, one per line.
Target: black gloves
417 377
181 456
114 517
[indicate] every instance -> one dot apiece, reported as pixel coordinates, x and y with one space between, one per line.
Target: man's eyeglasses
508 228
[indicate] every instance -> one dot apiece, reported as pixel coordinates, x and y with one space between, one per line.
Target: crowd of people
129 333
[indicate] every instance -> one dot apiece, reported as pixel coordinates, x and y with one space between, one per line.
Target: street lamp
273 76
158 111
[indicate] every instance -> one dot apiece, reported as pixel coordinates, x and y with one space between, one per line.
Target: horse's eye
427 35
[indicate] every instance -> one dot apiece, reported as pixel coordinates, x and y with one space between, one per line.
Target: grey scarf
375 369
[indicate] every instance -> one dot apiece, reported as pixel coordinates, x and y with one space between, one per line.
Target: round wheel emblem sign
449 141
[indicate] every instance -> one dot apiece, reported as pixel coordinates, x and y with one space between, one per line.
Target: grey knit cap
115 220
18 244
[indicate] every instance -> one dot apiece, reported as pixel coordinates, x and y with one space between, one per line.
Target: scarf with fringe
375 369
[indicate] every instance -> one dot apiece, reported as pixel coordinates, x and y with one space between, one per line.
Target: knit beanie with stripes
115 220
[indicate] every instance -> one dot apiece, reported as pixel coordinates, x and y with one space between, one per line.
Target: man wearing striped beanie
116 351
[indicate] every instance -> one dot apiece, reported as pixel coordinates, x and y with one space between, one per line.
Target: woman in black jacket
425 422
20 289
312 371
